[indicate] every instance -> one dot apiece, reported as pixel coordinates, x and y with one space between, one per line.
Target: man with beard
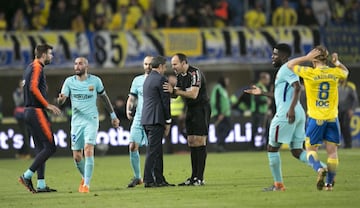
288 123
36 118
83 89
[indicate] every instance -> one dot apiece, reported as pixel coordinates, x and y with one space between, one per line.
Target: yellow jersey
321 88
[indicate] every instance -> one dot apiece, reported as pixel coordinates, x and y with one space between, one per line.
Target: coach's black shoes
150 185
27 183
165 184
198 182
45 190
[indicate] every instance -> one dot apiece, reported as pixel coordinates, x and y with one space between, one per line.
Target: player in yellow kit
321 87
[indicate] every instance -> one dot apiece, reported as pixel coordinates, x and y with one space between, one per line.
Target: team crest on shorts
319 122
91 88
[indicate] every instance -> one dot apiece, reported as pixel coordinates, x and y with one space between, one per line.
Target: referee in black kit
191 85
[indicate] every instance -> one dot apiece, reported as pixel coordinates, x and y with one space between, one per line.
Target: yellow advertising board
187 41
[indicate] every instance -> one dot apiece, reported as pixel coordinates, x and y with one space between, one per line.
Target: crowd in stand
95 15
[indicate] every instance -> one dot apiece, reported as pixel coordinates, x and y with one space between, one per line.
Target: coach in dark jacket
156 120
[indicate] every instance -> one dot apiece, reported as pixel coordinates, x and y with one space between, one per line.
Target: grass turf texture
232 180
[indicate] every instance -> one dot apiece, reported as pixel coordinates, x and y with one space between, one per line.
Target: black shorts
198 119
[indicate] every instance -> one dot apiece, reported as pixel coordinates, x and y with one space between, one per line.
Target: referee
191 85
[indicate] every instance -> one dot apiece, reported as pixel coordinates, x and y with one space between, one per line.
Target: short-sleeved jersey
136 90
193 78
321 88
83 95
283 91
35 88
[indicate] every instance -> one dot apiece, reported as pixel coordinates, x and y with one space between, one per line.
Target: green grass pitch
232 179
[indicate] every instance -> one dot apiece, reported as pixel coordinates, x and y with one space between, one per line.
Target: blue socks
303 158
314 162
89 168
41 183
28 174
135 163
80 166
275 166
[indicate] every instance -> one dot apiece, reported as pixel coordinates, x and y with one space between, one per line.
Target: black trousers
344 121
38 123
153 171
222 130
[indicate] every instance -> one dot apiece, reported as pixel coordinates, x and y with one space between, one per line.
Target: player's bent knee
272 148
313 154
296 153
133 147
77 155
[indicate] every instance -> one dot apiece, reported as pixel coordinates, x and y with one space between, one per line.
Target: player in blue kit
137 133
83 89
288 124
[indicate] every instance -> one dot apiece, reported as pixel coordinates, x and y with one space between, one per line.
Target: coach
156 120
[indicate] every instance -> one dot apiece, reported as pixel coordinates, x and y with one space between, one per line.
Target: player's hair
41 49
324 53
182 57
156 61
284 48
86 61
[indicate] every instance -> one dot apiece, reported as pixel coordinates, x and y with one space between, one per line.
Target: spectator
179 21
241 102
78 24
338 11
60 17
38 20
164 12
206 16
99 23
255 18
236 12
74 7
221 13
120 20
352 15
102 14
3 23
147 21
322 11
284 15
135 12
348 101
19 21
259 109
221 111
19 114
192 17
306 13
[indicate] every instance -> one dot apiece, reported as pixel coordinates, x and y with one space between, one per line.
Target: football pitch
233 179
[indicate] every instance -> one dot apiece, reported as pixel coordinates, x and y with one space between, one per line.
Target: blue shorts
138 135
83 134
319 130
281 132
